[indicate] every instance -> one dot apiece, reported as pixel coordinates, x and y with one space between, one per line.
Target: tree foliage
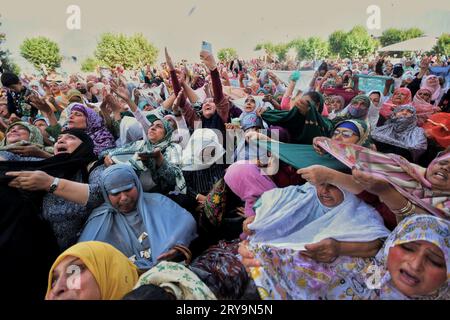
41 51
392 35
279 50
130 52
336 41
89 64
311 48
227 54
443 45
7 63
358 43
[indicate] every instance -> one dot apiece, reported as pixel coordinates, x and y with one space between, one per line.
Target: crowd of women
222 181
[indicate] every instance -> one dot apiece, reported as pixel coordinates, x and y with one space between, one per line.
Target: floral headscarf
285 274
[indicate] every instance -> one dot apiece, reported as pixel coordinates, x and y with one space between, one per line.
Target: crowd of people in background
228 180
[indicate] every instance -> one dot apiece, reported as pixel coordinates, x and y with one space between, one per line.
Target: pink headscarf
247 182
435 90
423 109
389 106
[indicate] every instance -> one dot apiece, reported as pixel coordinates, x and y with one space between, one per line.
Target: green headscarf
35 136
303 128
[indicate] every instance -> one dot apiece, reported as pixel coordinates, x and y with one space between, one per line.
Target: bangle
185 251
407 210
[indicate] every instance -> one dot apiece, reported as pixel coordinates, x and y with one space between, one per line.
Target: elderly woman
400 97
401 135
80 117
413 264
357 109
247 181
423 106
146 227
432 82
23 142
70 179
104 273
403 186
156 159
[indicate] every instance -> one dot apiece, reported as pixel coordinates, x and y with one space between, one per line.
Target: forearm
190 93
73 191
167 104
344 181
143 121
290 89
51 118
359 249
395 201
217 86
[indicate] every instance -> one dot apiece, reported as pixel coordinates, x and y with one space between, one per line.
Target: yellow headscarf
115 274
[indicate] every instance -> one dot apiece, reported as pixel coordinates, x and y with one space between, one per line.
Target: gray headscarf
402 132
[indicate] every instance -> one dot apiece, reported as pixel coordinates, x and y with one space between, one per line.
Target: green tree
312 48
443 45
227 54
268 47
392 35
89 64
281 50
336 41
7 63
358 43
130 52
41 51
413 33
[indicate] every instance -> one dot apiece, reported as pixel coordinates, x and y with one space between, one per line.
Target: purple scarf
95 128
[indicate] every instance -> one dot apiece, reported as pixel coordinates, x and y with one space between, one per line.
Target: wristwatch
54 185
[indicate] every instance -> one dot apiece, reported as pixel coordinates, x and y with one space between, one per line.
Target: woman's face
375 98
17 133
336 105
125 201
54 88
156 132
329 195
250 104
398 97
433 81
389 67
404 113
72 280
208 108
77 120
66 143
424 95
438 175
417 268
64 88
345 135
41 125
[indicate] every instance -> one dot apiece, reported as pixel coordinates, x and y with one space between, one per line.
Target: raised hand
168 59
120 91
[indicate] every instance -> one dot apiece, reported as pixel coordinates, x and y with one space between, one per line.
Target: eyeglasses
343 133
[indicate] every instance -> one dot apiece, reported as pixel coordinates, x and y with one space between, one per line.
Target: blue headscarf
165 222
